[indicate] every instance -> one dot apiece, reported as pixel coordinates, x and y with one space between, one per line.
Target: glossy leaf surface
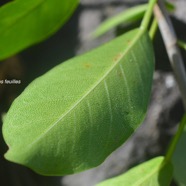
149 173
23 23
71 118
128 16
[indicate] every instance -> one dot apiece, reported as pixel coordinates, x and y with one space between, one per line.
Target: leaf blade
146 174
96 98
24 23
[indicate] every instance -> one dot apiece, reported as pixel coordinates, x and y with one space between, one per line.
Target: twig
173 52
153 28
146 19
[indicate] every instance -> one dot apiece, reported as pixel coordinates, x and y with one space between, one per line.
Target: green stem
153 28
175 140
148 14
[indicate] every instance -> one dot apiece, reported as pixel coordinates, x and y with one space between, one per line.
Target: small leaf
150 173
182 44
178 159
74 116
170 7
24 23
129 15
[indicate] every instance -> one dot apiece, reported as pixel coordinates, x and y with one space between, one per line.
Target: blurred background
165 109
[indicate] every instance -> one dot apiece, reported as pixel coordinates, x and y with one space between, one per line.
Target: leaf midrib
140 32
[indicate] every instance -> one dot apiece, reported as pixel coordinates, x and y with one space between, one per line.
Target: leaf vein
127 89
140 32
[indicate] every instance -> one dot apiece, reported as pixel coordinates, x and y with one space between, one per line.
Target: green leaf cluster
74 116
71 118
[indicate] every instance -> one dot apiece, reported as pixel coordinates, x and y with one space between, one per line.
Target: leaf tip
12 156
8 155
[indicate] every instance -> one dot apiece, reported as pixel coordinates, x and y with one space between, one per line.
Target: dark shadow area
168 122
53 51
126 27
3 2
162 61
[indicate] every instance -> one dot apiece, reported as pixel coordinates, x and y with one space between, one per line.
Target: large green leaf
74 116
150 173
23 23
178 159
